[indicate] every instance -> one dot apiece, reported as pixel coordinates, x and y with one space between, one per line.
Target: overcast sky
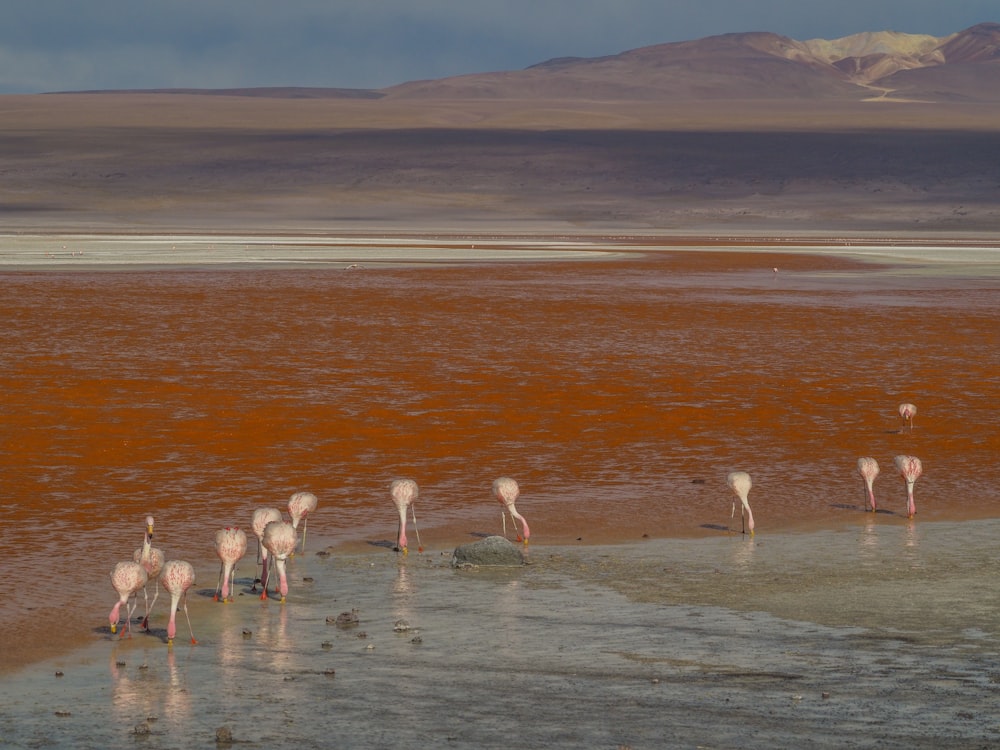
60 45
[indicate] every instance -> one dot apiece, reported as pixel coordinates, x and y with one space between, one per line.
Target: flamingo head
113 617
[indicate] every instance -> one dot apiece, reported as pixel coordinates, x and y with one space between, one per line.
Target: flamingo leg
263 579
258 576
133 602
305 525
420 547
156 594
186 617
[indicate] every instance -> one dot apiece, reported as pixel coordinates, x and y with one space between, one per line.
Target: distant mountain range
964 67
755 65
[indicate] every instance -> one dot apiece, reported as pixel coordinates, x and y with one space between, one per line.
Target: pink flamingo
230 546
280 540
261 518
177 577
404 492
868 469
300 505
739 482
127 578
506 491
150 558
910 468
907 412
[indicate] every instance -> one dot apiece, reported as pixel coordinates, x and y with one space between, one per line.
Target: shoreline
713 640
36 251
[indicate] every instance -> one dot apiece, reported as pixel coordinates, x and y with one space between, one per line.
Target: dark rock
493 550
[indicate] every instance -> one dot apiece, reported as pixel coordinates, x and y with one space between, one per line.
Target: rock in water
493 550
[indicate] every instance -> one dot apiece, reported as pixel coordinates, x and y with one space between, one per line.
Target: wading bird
230 546
907 412
127 578
868 469
279 540
404 492
177 577
506 491
151 559
260 519
300 505
910 469
739 482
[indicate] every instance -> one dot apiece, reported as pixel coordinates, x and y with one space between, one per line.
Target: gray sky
59 45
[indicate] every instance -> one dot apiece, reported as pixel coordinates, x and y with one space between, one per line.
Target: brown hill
754 65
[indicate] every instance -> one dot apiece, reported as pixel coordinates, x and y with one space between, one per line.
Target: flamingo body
300 505
230 546
506 491
868 469
907 412
126 578
177 577
279 540
910 469
151 559
404 492
260 519
739 482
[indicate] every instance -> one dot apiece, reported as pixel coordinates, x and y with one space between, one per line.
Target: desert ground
148 163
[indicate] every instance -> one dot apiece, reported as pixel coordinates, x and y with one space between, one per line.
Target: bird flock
277 540
909 467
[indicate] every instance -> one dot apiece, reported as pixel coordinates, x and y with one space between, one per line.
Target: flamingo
404 492
177 577
300 505
739 482
230 546
868 469
907 412
261 518
506 491
127 578
150 558
279 539
910 468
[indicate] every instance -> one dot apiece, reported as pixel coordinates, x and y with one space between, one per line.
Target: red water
619 394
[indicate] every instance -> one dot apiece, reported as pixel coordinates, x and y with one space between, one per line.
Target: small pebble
63 713
370 647
246 633
401 626
120 663
330 672
59 674
141 729
826 695
326 644
656 681
224 735
308 579
416 639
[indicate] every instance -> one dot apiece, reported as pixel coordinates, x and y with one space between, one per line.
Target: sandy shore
974 253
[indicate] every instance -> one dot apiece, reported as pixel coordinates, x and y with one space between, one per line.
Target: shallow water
881 636
618 392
